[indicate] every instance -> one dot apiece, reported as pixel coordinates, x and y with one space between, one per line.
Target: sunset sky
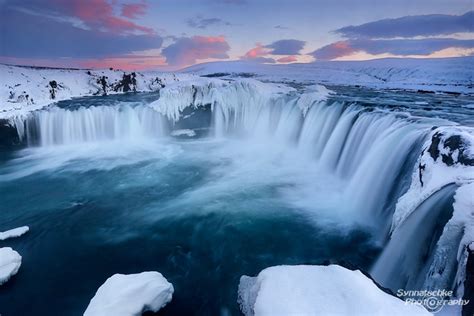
172 34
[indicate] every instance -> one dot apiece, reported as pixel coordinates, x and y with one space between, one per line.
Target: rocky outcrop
468 309
8 134
127 84
451 148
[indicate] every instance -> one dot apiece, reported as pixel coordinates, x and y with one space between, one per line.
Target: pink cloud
335 50
257 51
287 59
134 10
99 14
187 50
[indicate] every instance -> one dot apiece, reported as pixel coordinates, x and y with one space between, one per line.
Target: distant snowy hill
444 75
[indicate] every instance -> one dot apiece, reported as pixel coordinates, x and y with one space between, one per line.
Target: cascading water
366 149
370 153
404 263
58 126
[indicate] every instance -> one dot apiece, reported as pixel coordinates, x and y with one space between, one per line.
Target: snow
25 89
130 294
442 74
317 290
15 232
183 132
10 262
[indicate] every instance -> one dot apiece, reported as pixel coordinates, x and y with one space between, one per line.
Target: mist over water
105 189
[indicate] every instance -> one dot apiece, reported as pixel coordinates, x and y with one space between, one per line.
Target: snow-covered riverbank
25 89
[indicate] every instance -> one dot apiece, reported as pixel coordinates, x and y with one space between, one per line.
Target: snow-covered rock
317 290
437 74
447 158
15 232
130 294
25 89
10 262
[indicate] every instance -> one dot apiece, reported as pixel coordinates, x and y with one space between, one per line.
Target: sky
173 34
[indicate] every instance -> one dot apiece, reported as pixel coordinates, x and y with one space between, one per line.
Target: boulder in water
10 262
130 294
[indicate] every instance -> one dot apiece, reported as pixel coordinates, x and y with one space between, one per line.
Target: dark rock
159 81
453 93
216 75
52 91
451 144
8 134
246 75
103 83
421 168
53 84
433 149
195 90
468 310
127 84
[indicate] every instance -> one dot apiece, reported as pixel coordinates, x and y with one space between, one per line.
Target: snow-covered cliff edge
25 89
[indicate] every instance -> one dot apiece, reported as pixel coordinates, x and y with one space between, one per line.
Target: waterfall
406 259
57 126
366 149
372 153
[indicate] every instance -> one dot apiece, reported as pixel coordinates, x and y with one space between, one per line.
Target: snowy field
443 75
